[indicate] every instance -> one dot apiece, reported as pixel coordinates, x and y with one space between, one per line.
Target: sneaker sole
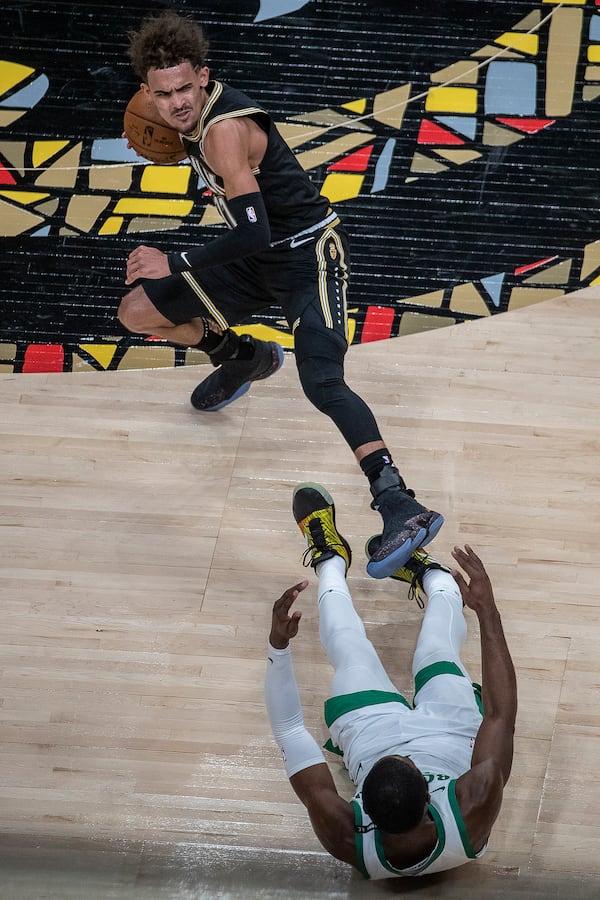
246 386
386 567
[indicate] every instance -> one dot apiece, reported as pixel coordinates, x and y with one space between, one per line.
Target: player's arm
230 147
479 791
330 815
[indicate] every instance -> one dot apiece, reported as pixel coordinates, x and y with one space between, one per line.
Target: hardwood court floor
143 546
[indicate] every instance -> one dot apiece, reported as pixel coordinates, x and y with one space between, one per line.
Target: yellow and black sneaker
412 571
314 511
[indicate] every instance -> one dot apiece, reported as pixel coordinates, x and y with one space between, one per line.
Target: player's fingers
288 597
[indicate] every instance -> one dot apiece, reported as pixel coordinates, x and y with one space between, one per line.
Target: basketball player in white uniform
429 775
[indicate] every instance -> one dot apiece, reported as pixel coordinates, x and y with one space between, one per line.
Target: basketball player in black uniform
284 247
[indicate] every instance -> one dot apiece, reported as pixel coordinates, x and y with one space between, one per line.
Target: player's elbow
257 236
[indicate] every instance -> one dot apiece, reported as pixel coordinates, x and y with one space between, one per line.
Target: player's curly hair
165 41
394 795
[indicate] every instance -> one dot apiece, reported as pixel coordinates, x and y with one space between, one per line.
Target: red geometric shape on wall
529 126
354 162
430 133
534 265
44 358
378 324
5 176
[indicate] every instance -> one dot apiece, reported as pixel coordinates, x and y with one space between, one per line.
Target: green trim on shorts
439 668
344 703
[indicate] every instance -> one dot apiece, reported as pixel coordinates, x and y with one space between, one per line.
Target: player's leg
441 680
140 315
356 664
197 312
321 342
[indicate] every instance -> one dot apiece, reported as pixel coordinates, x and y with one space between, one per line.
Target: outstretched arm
331 816
499 683
480 790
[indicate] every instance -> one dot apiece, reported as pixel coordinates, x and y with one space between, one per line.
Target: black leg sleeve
320 362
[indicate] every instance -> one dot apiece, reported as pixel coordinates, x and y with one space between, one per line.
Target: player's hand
477 594
284 626
147 262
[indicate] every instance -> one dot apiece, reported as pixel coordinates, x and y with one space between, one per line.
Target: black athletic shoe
234 376
412 571
407 525
314 511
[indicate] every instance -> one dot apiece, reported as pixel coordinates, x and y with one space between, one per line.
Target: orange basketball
149 134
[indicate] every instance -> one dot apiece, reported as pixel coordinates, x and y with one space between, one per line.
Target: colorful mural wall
459 142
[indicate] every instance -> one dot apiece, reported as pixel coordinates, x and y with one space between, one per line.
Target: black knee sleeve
322 379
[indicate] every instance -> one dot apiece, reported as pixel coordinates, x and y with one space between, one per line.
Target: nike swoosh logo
296 243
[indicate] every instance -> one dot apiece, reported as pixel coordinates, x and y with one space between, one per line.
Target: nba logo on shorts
251 213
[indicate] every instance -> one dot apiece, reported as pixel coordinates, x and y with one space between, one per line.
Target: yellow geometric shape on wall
83 211
133 206
593 53
151 223
11 74
112 225
115 178
466 299
558 274
319 156
591 259
390 106
294 134
64 171
43 150
14 220
102 353
14 152
339 186
525 43
151 356
520 297
267 333
489 50
494 136
24 197
357 106
166 179
458 157
416 322
425 165
452 99
464 70
432 298
8 116
211 216
529 22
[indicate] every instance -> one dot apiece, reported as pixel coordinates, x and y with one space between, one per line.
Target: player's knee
133 313
321 385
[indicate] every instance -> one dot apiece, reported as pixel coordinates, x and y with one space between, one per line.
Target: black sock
373 463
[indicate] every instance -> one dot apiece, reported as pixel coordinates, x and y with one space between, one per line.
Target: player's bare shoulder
234 138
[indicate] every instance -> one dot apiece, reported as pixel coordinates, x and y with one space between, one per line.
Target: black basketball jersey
292 201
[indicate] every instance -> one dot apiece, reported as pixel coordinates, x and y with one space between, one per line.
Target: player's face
178 93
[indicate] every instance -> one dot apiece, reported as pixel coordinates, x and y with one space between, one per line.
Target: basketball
149 134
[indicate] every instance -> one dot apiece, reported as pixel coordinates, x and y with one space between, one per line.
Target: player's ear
144 87
204 76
